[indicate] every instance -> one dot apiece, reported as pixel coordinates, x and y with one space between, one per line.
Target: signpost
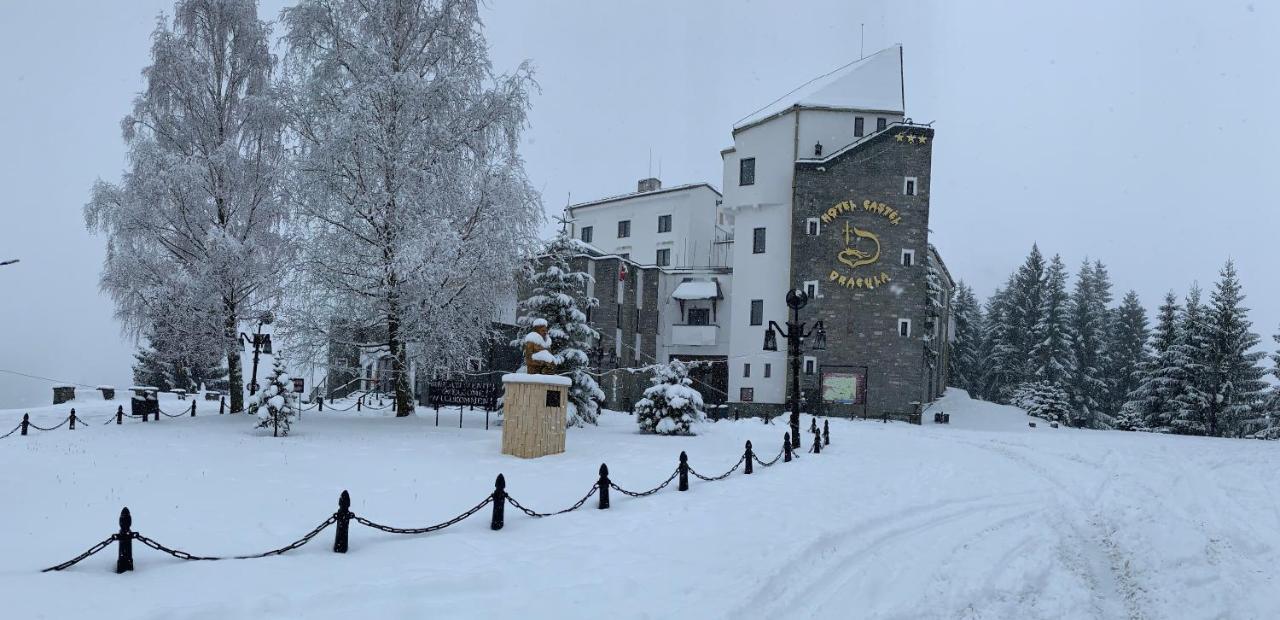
463 393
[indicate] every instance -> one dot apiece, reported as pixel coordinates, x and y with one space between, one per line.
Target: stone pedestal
63 394
534 413
108 392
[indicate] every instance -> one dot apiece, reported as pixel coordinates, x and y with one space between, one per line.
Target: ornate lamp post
795 335
266 318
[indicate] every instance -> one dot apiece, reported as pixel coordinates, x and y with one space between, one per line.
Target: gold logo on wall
861 246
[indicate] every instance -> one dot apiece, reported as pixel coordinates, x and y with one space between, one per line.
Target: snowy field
986 518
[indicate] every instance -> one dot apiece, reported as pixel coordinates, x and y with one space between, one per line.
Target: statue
538 359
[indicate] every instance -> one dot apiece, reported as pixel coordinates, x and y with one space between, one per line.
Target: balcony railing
693 335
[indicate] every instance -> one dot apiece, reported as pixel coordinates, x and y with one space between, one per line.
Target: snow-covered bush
275 405
1043 400
671 406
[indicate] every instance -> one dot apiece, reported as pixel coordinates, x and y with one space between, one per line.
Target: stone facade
860 216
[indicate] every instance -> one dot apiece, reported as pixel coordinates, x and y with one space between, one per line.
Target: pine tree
997 359
1044 400
1026 302
1235 380
1089 311
554 297
967 342
672 405
1191 401
1160 378
1052 351
150 369
275 406
1128 355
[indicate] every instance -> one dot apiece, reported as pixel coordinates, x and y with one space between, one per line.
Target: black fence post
26 421
826 433
119 414
603 485
748 457
499 501
813 425
222 405
359 402
343 522
193 408
684 472
817 441
786 447
124 543
320 401
72 419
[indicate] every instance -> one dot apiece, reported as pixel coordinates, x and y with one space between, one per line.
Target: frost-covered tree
275 406
997 361
415 207
967 343
558 296
671 406
193 244
1089 301
1025 305
1051 352
1128 352
1151 404
1044 400
1192 351
1235 379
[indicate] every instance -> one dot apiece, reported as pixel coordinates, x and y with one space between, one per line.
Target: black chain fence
497 501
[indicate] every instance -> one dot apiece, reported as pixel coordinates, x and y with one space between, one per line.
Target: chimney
648 185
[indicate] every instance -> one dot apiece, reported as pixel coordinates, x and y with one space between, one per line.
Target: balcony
693 335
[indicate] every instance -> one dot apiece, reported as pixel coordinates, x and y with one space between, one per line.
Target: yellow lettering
834 274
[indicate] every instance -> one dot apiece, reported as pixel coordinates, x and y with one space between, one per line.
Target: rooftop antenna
650 162
659 166
862 42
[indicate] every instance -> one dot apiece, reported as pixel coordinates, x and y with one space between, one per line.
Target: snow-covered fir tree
1236 387
1044 400
1192 401
558 296
1088 383
1025 306
412 196
275 405
1151 405
193 228
967 343
997 361
1128 355
671 406
1052 351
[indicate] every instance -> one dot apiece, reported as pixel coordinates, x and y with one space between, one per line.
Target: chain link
183 555
92 550
422 530
532 513
764 464
741 460
15 429
41 428
650 491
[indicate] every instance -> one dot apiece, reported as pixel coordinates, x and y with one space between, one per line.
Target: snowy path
982 519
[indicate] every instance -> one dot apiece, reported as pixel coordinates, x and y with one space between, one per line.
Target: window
757 241
699 316
588 314
664 223
639 294
881 123
625 256
637 347
757 312
586 233
904 328
811 289
909 186
617 343
747 171
746 395
624 229
810 365
768 370
908 258
746 370
664 257
858 130
812 226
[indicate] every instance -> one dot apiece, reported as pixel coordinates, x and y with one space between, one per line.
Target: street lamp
266 318
795 335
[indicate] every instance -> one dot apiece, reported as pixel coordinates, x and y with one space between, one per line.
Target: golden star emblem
911 139
922 139
898 137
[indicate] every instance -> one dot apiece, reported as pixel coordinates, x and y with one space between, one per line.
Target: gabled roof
665 190
872 83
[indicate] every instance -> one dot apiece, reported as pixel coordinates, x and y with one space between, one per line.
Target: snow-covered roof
665 190
872 83
697 289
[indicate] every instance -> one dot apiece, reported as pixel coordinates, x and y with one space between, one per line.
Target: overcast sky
1143 135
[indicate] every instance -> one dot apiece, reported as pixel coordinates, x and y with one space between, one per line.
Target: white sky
1140 133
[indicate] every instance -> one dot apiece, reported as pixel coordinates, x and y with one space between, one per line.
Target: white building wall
670 317
693 219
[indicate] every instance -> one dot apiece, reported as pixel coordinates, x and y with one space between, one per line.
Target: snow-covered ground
985 518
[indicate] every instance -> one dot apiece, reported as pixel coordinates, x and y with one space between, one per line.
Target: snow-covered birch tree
193 244
416 209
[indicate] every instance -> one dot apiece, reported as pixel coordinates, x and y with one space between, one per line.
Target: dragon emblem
851 255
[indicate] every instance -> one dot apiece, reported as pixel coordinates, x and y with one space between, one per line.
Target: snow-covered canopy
873 83
697 289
